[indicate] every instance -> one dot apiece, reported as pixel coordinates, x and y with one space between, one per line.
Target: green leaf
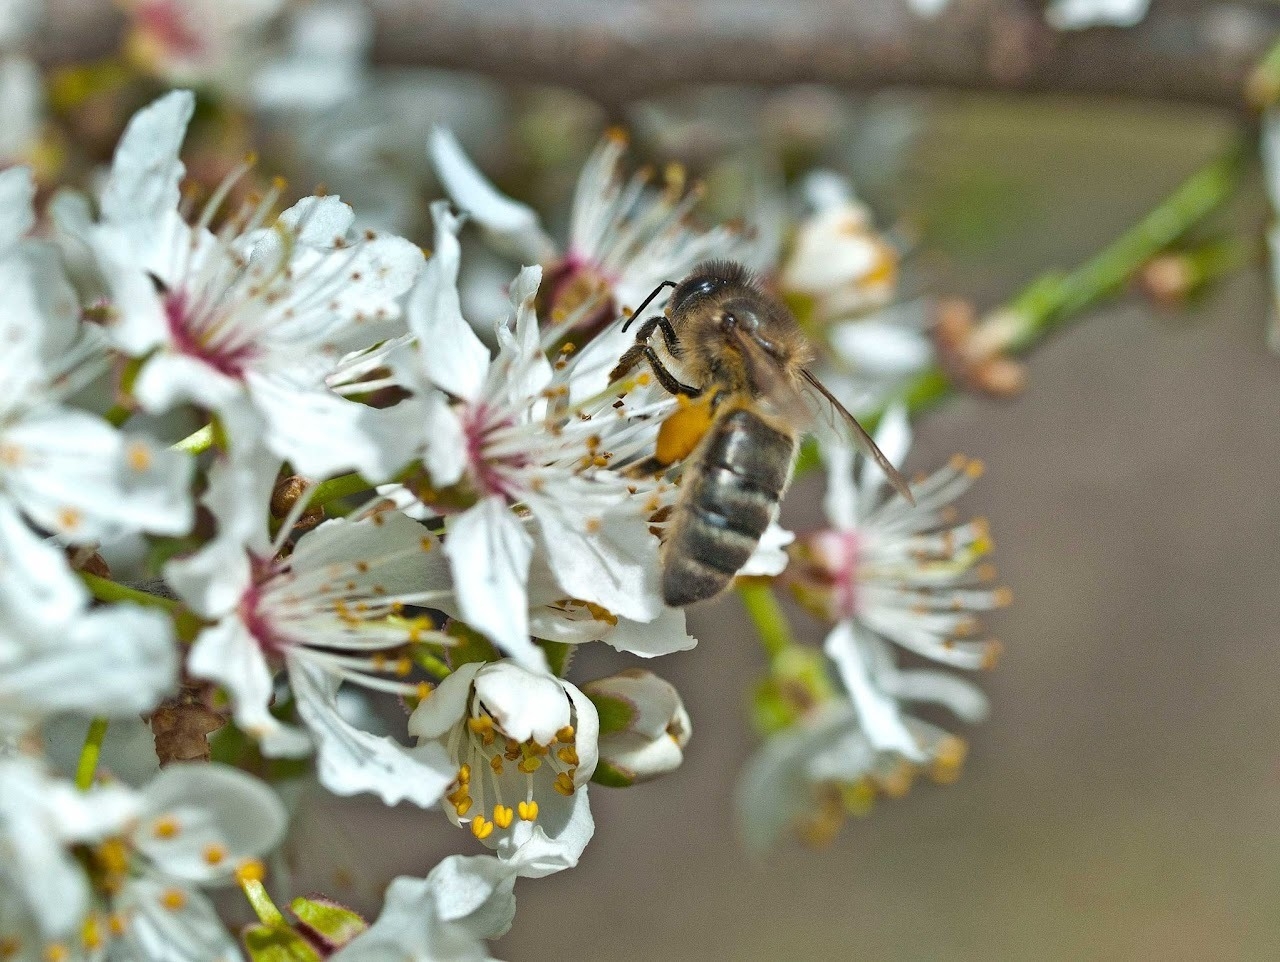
277 943
616 714
612 776
332 922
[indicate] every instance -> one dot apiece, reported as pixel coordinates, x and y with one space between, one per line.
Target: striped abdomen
731 491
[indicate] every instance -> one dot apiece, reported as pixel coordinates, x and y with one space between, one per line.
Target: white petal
167 380
881 348
446 453
192 932
841 500
210 808
116 661
146 171
553 843
512 226
879 714
958 694
214 579
525 704
17 192
1079 14
446 706
350 761
323 434
229 654
451 355
615 565
648 639
37 586
770 556
586 736
489 552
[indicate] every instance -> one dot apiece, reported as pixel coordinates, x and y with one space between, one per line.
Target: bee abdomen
730 501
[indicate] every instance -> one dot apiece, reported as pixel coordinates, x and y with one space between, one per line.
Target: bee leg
668 380
661 323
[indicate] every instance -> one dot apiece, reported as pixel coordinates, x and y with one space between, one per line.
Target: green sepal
471 647
616 714
277 943
331 922
559 655
612 776
798 681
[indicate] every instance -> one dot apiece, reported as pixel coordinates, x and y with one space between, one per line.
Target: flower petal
171 923
350 761
446 706
553 843
878 713
146 171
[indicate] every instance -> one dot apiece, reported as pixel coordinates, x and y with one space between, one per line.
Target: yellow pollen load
481 827
214 854
138 456
503 816
683 429
528 810
250 870
173 899
564 784
166 827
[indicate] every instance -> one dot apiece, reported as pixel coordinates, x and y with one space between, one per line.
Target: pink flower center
491 474
826 578
193 334
269 639
163 21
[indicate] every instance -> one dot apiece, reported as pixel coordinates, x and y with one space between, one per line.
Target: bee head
707 280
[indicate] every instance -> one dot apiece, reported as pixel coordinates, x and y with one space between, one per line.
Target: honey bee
750 397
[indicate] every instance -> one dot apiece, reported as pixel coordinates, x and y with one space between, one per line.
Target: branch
1184 51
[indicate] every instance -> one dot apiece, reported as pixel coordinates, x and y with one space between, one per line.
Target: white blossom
886 573
329 612
523 745
644 726
249 321
1080 14
214 42
501 432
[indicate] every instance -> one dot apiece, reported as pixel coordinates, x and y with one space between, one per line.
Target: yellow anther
957 462
594 524
9 947
568 755
378 661
858 797
424 690
528 810
529 765
502 816
166 827
138 456
496 764
974 468
566 734
56 952
116 923
462 805
483 725
564 784
481 827
214 854
427 543
113 856
173 899
949 760
250 870
897 782
1003 597
403 666
991 654
69 518
90 933
464 773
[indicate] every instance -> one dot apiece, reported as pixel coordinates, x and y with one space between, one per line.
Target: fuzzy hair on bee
742 360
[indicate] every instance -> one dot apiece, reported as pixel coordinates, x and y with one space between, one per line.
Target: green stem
767 615
263 907
1057 297
117 415
198 442
431 663
104 589
340 487
87 766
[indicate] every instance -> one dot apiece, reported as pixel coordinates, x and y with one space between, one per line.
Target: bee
747 396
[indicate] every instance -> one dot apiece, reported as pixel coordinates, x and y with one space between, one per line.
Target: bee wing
798 404
860 436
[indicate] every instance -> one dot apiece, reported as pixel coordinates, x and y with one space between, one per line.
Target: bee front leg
669 381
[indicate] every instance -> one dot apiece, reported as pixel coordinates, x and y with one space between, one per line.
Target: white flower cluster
500 528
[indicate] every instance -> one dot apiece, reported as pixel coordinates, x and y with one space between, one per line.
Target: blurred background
1123 800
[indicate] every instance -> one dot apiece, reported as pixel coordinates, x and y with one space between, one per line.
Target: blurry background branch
1183 51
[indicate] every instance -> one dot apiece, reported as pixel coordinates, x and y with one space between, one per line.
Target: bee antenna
640 310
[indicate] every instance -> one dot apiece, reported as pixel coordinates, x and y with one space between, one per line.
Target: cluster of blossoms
387 499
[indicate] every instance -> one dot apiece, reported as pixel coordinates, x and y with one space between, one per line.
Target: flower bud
643 727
